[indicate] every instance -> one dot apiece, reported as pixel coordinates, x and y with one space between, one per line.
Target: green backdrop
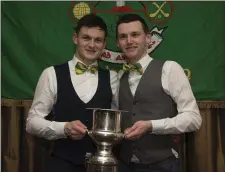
36 35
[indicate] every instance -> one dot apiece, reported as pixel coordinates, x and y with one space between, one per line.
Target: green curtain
36 35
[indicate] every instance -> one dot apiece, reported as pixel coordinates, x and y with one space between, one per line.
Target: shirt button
86 120
134 114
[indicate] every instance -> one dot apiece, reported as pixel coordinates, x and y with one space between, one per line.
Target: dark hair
91 20
127 18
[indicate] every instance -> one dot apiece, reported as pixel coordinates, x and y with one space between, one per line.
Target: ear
75 38
105 41
148 38
117 44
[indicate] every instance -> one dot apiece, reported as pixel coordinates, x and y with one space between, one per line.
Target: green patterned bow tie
136 67
80 68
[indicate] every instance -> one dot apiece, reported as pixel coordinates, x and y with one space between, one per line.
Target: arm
176 84
44 99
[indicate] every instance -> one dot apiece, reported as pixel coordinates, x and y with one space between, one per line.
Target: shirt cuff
59 129
158 126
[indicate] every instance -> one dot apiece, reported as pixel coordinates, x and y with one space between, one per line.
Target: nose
129 40
91 43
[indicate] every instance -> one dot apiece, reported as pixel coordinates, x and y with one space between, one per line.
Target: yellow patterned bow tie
80 68
136 67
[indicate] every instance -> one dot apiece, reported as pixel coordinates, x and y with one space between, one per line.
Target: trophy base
101 168
98 163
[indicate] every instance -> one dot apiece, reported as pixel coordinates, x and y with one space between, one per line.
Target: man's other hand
75 130
138 129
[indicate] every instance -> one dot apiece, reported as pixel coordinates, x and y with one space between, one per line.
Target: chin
131 56
91 57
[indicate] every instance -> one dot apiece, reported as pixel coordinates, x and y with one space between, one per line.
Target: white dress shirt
45 97
176 84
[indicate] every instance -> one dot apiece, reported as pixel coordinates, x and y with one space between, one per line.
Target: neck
135 60
85 61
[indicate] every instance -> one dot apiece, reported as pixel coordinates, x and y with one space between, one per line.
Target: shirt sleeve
44 99
176 84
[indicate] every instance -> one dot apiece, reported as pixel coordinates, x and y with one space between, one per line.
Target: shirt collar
144 61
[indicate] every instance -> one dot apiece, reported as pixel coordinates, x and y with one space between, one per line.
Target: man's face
90 43
133 41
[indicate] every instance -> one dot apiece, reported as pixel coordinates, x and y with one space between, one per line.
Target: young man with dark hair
68 90
159 98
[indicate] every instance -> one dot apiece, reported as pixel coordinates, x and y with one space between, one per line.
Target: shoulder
173 71
47 74
48 70
172 66
51 70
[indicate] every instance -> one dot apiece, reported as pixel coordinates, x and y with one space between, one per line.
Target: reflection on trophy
106 132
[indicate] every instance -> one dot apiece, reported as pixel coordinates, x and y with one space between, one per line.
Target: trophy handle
120 136
91 135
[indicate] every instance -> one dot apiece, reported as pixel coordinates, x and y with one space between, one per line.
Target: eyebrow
85 35
137 32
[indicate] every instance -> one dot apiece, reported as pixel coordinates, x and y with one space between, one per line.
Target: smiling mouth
130 48
90 51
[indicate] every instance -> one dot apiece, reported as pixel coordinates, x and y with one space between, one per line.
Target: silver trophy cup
106 132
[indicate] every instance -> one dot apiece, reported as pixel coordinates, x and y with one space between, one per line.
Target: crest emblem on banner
156 12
